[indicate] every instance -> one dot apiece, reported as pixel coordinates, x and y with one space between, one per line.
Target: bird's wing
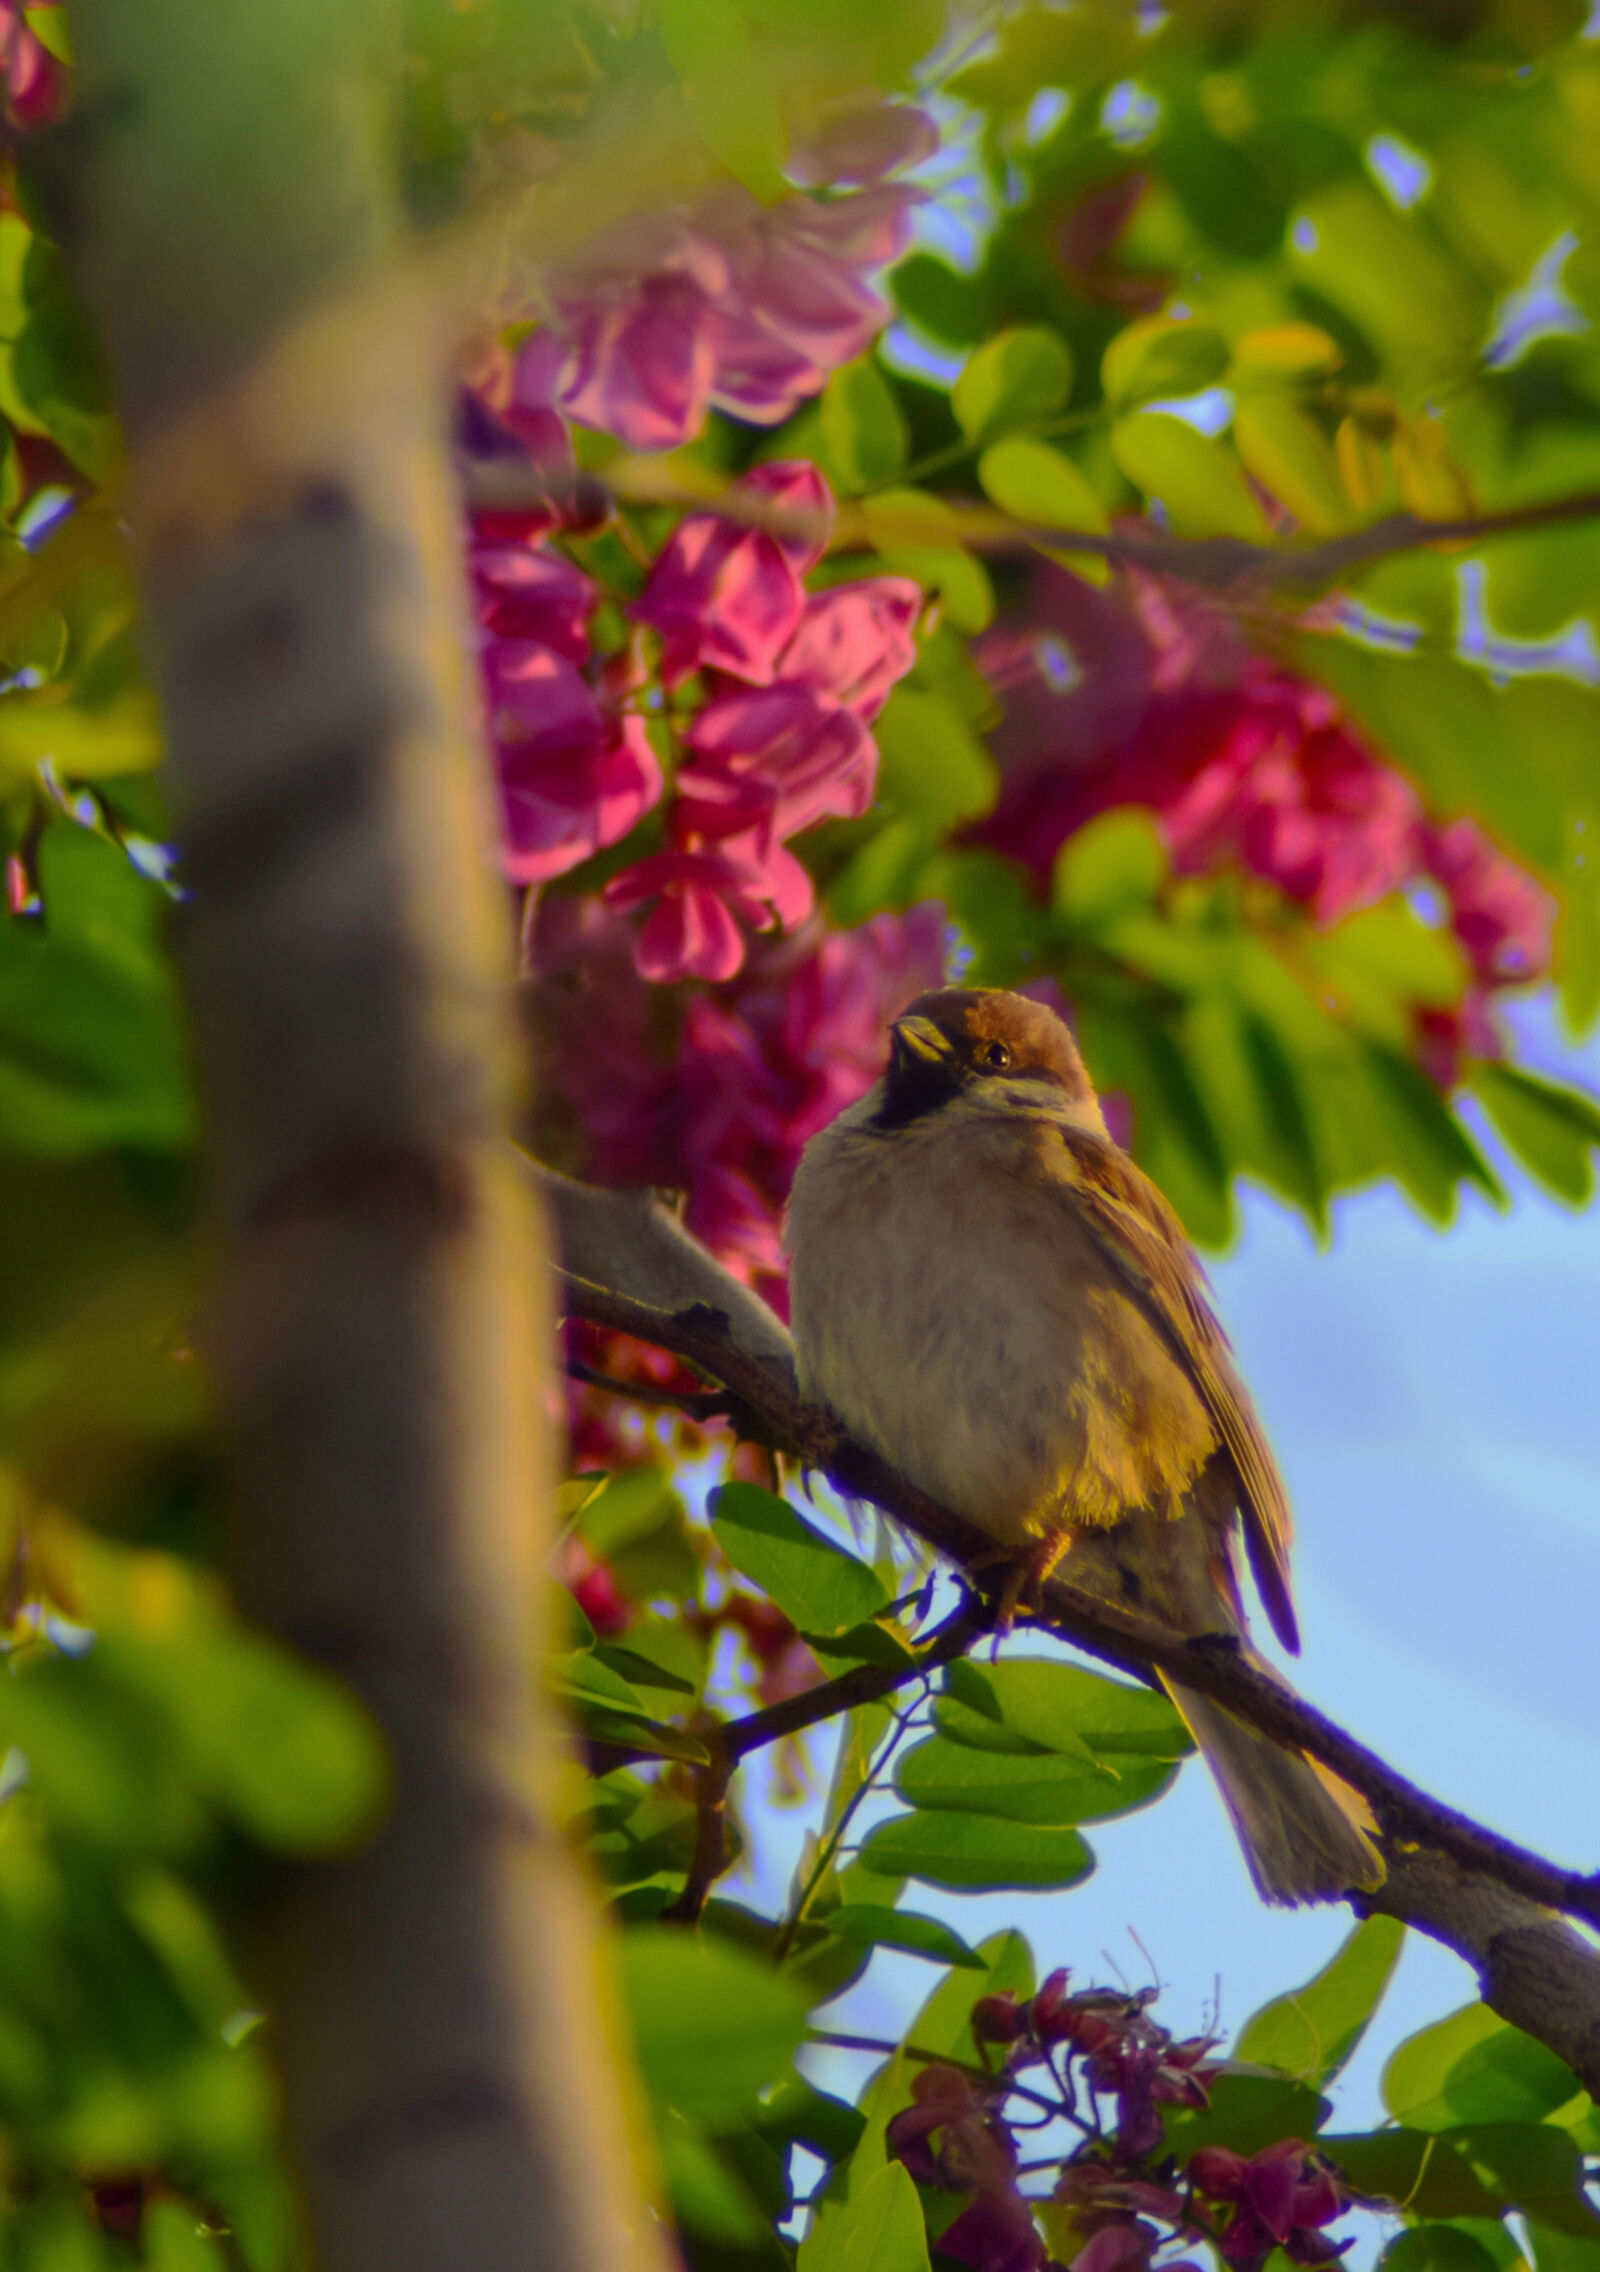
1142 1238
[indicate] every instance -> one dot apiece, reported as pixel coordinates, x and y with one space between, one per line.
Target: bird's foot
1025 1576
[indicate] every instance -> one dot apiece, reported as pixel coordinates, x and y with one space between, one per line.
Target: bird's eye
995 1058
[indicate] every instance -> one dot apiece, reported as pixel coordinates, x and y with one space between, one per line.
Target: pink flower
800 301
781 758
855 641
728 597
563 806
36 82
1282 2197
1502 917
721 1109
642 360
526 593
727 301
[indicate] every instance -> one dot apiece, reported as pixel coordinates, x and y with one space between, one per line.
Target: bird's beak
918 1043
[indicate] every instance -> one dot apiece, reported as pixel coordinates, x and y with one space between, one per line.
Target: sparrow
987 1290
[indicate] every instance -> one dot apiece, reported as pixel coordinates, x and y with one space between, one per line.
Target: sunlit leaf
819 1585
1474 2067
1014 380
1041 1788
968 1853
729 89
881 2230
1552 1129
901 1929
1161 357
1312 2032
863 428
712 2026
1197 479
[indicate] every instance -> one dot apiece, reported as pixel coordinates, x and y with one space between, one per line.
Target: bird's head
989 1048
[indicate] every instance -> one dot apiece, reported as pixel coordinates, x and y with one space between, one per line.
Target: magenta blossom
855 641
1503 918
1280 2198
727 595
1144 694
562 806
35 81
720 1108
727 301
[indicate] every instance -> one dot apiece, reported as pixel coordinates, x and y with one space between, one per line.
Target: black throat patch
912 1088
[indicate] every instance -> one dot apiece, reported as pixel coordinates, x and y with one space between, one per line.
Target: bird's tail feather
1306 1836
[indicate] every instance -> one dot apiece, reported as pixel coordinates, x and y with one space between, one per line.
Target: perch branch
682 1300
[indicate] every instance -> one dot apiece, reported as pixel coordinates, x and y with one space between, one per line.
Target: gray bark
380 1346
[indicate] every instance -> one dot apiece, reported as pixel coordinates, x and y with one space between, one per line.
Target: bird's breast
952 1307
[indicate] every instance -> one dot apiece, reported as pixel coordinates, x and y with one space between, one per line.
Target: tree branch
1219 563
628 1265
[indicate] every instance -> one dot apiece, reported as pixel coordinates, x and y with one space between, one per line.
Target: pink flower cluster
792 681
575 765
1117 2194
788 683
727 302
716 1095
35 81
1246 765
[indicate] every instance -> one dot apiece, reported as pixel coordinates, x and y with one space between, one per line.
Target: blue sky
1433 1400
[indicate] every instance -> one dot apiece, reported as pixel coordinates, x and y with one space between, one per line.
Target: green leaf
1289 454
583 1675
1115 862
728 88
171 2240
1311 2033
1041 487
931 767
1246 2112
1561 2252
1063 1707
918 535
1436 2248
970 1853
863 428
643 1671
880 2230
1161 356
820 1586
1474 2067
1285 351
91 1043
628 1507
1552 1129
1041 1788
906 1929
1415 2169
1198 481
1015 379
1531 2166
711 2025
830 2126
707 2199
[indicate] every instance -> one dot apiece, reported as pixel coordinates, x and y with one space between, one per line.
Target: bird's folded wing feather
1142 1238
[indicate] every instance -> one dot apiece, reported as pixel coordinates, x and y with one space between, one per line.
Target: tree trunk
376 1330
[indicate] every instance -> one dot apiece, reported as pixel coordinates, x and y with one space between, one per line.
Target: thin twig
697 1404
1219 563
923 2058
827 1853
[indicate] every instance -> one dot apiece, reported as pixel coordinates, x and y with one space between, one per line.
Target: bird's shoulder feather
1136 1230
